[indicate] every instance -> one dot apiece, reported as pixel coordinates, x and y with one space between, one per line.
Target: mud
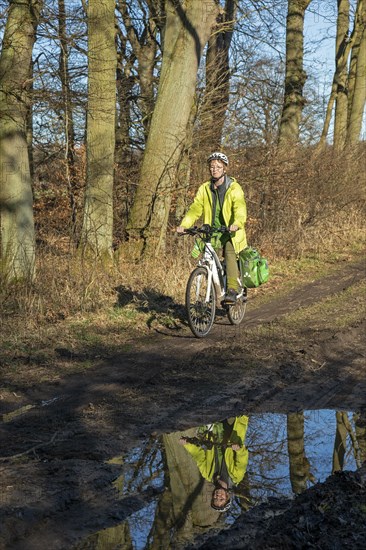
57 440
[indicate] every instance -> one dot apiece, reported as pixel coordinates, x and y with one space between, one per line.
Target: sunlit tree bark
188 26
342 56
295 75
183 177
340 115
357 79
97 230
16 200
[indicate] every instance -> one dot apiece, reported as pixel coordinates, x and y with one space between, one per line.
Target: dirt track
56 485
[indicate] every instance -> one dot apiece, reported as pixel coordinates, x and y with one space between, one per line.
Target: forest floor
300 350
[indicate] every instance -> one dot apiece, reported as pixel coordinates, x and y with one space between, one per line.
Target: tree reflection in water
287 453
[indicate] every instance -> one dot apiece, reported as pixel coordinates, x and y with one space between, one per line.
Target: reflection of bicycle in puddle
207 444
171 499
221 456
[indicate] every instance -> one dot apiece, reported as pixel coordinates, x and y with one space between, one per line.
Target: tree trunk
68 119
97 230
340 115
189 490
360 429
342 55
353 61
299 464
187 30
357 78
340 441
144 48
16 200
295 76
125 85
217 80
343 431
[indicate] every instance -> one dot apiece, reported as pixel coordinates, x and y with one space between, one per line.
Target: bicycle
207 284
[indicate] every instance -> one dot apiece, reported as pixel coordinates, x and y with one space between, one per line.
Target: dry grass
305 212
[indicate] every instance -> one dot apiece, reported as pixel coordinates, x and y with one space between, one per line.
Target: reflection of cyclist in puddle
221 456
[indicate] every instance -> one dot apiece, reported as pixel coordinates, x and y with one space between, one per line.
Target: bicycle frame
201 297
215 270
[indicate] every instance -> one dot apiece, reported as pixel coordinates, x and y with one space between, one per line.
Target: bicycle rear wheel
236 312
201 313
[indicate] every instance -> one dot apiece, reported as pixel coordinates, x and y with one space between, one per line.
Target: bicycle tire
236 312
201 314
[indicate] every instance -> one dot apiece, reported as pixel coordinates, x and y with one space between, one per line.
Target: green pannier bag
253 268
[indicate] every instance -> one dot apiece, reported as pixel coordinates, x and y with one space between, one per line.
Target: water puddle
256 457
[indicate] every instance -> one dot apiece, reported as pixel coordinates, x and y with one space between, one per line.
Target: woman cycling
220 201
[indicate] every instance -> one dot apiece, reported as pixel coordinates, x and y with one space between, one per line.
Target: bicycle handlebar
205 230
208 443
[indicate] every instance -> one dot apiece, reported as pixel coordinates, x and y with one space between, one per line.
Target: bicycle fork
217 279
208 289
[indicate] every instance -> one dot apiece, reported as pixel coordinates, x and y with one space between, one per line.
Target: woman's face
217 168
220 497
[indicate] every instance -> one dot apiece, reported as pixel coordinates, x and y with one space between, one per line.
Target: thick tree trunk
189 490
353 61
342 55
97 230
16 200
217 80
341 104
187 30
357 79
295 75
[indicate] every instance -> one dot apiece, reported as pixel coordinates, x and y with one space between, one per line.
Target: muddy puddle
198 481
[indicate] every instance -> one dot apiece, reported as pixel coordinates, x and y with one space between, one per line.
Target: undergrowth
301 216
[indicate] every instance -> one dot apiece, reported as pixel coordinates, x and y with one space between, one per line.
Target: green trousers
232 270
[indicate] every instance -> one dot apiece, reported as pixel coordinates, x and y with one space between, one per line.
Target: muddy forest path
168 381
172 368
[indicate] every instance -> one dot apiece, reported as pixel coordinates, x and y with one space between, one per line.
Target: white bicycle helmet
218 156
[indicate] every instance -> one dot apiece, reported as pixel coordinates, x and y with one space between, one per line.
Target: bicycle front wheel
236 312
200 304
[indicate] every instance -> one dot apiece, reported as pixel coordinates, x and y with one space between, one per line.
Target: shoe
230 297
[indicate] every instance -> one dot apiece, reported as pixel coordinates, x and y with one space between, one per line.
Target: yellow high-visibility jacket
236 461
234 210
